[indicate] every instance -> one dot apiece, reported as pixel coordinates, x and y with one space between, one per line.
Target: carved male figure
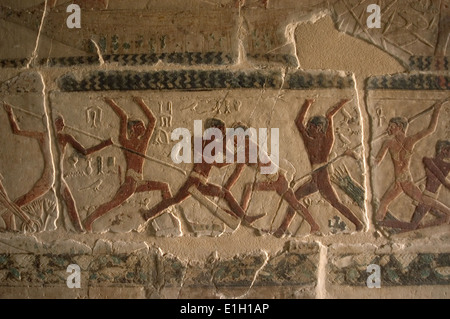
436 169
318 138
400 146
134 138
44 183
198 179
280 185
63 140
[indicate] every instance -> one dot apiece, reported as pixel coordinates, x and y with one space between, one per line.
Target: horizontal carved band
201 80
409 82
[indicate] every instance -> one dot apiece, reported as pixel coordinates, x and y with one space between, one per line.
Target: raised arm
151 118
301 116
333 110
331 113
431 166
121 114
15 128
433 123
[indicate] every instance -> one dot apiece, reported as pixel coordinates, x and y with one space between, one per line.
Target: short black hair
213 122
240 125
319 120
400 121
132 123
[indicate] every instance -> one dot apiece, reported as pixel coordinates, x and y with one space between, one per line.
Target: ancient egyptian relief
28 202
409 28
126 161
410 140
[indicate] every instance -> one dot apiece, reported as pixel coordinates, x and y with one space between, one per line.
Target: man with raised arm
318 138
198 182
134 138
44 183
63 140
400 146
280 185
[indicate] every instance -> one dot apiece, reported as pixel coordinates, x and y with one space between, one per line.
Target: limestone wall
87 138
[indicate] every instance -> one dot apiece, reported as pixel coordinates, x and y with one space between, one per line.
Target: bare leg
294 203
149 186
257 186
217 191
246 196
419 214
303 191
282 188
125 191
71 208
158 210
392 193
414 192
441 219
39 189
327 191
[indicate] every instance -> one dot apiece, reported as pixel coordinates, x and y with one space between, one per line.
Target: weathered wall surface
358 134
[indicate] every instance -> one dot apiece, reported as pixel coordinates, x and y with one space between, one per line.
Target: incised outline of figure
41 187
63 140
401 146
198 181
318 138
436 170
134 138
280 185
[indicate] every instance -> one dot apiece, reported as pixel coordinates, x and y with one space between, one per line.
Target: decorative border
429 63
292 267
185 58
200 80
409 82
423 269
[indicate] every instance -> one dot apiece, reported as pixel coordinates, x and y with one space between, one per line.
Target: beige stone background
245 263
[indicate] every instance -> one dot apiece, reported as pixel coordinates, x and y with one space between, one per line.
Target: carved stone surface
27 199
101 128
398 268
409 28
163 274
409 144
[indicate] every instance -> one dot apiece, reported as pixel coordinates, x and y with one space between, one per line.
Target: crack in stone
255 276
99 52
51 137
35 53
321 291
266 260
